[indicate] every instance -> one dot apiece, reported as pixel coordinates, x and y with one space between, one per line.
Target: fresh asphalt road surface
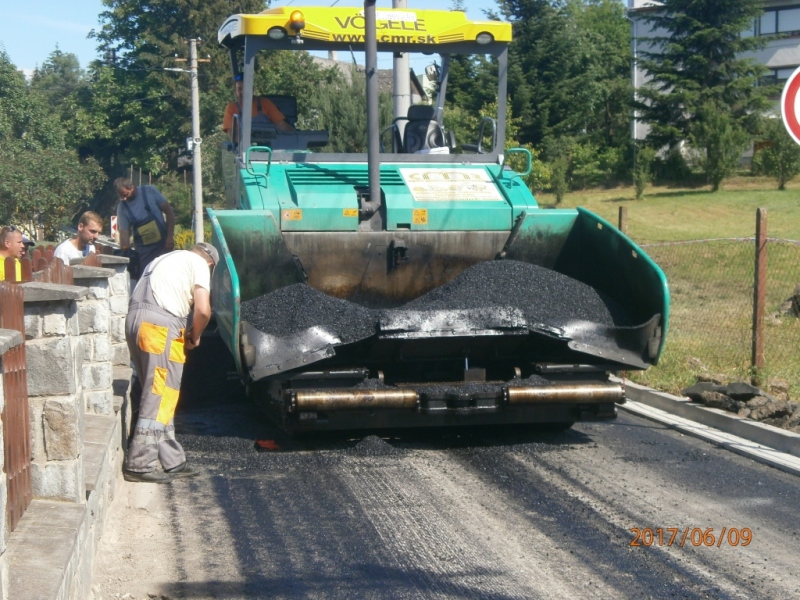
459 513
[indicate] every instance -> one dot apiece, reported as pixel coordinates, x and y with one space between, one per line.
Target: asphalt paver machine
419 283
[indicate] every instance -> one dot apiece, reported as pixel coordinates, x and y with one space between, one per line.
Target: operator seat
422 132
287 105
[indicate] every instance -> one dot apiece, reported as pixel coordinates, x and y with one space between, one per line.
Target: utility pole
193 143
197 164
401 78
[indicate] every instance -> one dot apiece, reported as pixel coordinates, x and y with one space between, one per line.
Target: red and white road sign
790 105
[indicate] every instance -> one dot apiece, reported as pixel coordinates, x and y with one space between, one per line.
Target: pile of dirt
749 402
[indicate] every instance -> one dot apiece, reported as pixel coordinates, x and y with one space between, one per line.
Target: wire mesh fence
710 334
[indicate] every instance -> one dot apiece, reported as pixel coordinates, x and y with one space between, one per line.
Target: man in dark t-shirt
145 218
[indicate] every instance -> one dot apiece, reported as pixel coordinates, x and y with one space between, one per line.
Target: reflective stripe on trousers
155 341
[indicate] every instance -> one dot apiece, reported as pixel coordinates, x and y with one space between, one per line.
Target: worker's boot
182 470
147 477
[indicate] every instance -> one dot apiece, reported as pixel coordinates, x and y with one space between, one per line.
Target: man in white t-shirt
174 290
89 228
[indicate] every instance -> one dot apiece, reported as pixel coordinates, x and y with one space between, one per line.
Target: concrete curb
752 431
768 456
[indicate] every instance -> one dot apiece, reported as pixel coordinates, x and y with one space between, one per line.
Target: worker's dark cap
27 241
209 249
238 77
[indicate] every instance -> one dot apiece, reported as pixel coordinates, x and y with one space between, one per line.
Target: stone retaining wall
119 293
55 351
77 394
94 324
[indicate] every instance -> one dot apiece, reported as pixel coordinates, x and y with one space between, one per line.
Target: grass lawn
711 283
674 214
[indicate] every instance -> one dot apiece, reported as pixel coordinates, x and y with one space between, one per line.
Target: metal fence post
759 296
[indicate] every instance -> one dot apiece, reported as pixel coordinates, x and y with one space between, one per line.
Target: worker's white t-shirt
66 251
173 279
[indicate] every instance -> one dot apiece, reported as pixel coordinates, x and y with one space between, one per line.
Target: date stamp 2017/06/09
667 536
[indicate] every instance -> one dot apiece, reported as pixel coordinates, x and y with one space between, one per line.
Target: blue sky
30 31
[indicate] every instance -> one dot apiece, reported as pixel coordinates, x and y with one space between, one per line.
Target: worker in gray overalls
174 290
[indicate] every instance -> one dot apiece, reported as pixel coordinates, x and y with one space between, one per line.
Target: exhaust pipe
566 394
352 399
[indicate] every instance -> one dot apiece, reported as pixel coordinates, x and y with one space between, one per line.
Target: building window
788 20
777 76
781 75
775 21
768 23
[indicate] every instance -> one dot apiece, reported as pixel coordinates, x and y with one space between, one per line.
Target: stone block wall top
82 272
9 338
50 292
111 259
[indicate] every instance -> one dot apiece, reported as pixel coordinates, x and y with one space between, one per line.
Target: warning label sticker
441 185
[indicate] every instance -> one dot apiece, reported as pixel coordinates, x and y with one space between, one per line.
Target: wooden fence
16 426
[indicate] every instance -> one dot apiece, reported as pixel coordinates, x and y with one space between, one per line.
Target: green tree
780 155
700 61
42 182
44 187
59 77
601 92
722 139
569 71
25 115
340 107
140 112
643 172
540 58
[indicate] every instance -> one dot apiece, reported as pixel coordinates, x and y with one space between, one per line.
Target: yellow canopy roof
346 25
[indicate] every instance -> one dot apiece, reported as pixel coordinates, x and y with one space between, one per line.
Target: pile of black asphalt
298 307
542 295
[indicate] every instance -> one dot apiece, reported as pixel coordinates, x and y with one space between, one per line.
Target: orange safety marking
350 212
152 338
176 350
166 410
419 216
159 381
292 215
262 445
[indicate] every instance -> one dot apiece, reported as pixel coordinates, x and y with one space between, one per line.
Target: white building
781 57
